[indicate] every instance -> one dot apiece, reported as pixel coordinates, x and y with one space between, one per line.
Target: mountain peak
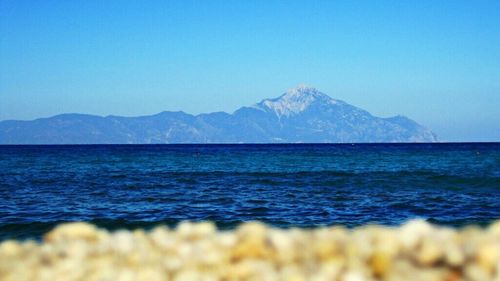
294 101
302 88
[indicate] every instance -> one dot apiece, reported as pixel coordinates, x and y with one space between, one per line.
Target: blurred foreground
197 251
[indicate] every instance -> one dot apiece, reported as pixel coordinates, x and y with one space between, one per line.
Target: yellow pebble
77 230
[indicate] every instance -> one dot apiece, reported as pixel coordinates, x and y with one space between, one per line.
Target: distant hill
302 114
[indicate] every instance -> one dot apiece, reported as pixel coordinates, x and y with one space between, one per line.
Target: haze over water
285 185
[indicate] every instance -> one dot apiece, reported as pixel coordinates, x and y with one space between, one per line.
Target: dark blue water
123 186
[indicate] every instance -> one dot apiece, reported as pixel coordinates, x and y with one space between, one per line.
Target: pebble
416 251
430 251
73 231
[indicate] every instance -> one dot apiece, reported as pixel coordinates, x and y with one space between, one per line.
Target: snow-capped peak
294 101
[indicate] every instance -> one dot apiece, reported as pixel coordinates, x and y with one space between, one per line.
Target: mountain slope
302 114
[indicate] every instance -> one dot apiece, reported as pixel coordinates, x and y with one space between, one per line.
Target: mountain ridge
302 114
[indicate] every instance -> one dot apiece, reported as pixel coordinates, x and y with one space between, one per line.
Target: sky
437 62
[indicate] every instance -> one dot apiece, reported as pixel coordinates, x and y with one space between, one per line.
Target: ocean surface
130 186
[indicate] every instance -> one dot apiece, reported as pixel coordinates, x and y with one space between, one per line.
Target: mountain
302 114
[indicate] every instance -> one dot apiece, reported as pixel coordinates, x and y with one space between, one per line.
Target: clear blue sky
437 62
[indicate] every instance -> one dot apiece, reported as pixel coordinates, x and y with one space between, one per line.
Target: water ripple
284 185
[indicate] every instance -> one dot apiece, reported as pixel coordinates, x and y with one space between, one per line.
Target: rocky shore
198 251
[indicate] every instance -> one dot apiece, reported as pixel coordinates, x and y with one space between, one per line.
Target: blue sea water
128 186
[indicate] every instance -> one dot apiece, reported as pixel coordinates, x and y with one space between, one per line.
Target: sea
284 185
